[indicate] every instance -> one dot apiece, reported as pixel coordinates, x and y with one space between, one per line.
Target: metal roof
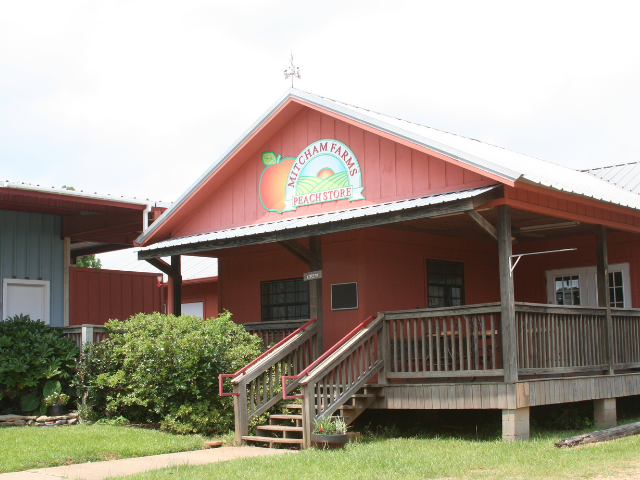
506 164
81 194
191 267
626 175
293 223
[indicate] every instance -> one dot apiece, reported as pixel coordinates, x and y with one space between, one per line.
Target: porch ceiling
460 225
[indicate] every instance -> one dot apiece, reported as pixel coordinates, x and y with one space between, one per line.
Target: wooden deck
498 395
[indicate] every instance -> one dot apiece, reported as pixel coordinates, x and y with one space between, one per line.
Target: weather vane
292 71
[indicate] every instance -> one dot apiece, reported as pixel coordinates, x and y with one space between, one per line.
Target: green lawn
34 447
419 458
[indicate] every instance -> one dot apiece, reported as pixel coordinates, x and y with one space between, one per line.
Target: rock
13 424
72 421
213 444
11 418
60 422
72 415
30 422
42 419
39 424
48 423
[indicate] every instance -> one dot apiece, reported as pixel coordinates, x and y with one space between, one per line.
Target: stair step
285 416
363 395
249 438
293 406
279 428
351 407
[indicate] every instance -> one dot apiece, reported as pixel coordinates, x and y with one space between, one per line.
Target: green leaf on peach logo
270 158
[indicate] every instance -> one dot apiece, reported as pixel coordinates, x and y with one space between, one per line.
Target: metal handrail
243 370
326 354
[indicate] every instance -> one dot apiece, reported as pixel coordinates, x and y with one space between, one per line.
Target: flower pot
329 441
56 410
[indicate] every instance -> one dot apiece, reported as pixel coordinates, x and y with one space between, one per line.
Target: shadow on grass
552 422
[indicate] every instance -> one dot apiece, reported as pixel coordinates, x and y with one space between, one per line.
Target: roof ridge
610 166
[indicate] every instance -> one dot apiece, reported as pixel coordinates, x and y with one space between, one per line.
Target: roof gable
485 160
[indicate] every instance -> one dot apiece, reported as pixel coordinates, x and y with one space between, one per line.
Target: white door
579 286
26 297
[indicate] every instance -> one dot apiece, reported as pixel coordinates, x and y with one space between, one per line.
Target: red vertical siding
97 295
391 171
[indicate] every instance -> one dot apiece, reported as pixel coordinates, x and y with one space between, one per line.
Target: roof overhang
325 223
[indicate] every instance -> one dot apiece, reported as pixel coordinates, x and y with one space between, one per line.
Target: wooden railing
340 373
82 334
626 338
256 387
273 332
444 342
565 339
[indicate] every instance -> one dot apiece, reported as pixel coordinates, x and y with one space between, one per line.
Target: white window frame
589 283
43 284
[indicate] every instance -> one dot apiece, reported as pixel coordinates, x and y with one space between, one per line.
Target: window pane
285 300
445 283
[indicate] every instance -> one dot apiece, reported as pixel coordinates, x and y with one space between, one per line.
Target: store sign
325 171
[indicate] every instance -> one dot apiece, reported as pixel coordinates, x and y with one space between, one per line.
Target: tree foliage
34 358
88 261
164 369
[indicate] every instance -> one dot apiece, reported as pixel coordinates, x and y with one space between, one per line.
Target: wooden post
315 293
602 260
383 348
177 285
66 281
307 414
86 335
507 301
240 410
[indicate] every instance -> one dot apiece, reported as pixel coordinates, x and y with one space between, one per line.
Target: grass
36 447
426 457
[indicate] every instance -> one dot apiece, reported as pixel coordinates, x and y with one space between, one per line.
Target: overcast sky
138 98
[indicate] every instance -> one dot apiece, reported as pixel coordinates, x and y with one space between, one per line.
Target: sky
138 98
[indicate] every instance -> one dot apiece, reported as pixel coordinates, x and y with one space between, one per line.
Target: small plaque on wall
344 296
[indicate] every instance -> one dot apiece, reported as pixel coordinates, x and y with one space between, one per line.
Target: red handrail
243 370
320 359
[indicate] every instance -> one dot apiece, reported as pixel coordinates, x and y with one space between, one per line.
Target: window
445 283
285 300
344 296
616 289
567 290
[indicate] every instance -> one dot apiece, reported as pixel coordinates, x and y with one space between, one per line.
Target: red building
428 232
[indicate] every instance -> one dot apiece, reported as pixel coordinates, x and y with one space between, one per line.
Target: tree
65 187
88 261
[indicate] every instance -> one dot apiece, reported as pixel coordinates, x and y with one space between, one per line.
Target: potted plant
329 433
55 402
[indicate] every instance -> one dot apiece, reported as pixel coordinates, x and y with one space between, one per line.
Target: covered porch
500 354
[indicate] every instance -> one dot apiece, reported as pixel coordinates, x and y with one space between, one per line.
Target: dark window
445 283
285 300
616 290
344 296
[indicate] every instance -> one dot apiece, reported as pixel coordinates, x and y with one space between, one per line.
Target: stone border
42 421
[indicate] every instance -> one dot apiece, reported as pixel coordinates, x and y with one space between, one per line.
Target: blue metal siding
31 248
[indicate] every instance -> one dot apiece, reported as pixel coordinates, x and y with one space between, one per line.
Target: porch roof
329 222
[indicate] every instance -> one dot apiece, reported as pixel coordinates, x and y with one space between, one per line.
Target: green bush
164 369
35 361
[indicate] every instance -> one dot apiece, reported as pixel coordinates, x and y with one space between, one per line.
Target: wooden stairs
286 429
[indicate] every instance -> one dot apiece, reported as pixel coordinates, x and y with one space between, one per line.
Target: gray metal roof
191 267
293 223
626 175
505 164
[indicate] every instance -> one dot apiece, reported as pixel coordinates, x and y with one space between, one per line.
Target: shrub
164 369
35 361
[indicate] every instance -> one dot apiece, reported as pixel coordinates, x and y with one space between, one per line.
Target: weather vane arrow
292 71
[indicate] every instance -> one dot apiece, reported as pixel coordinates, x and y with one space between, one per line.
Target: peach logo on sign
325 171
